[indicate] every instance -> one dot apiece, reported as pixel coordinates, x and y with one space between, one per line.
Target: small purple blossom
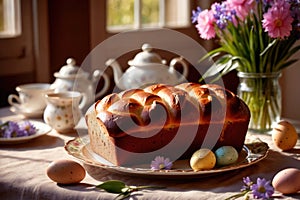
12 129
28 127
262 189
222 14
161 163
195 14
247 184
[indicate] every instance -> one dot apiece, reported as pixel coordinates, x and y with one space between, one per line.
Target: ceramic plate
80 149
42 129
27 114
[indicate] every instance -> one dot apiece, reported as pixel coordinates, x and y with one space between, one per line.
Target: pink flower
278 21
241 7
205 24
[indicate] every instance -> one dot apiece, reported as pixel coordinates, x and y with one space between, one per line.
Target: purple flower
28 128
222 14
262 189
12 129
195 14
247 184
161 163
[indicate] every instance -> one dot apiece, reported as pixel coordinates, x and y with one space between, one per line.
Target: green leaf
290 62
284 60
113 186
212 54
214 69
292 51
268 47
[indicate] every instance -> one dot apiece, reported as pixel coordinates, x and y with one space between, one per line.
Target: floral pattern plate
80 149
41 127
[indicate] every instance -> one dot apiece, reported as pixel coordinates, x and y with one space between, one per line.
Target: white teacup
31 97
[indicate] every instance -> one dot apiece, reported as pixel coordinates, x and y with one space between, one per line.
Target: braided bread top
162 106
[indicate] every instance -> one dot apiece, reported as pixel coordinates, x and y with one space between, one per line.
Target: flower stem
263 97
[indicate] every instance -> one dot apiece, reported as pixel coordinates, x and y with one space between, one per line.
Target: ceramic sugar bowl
63 112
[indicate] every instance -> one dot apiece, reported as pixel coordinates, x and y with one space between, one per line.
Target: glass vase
262 93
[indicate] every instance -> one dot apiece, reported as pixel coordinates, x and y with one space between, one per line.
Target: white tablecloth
23 173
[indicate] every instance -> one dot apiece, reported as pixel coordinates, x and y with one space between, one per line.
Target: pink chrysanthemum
278 20
241 7
205 24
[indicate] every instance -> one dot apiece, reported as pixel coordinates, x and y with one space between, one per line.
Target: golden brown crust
144 120
187 102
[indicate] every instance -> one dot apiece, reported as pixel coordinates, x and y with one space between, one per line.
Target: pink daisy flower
205 24
278 21
241 7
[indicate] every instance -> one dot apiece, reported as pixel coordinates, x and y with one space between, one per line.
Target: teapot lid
146 57
70 70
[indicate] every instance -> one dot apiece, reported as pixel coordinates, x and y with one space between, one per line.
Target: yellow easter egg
203 159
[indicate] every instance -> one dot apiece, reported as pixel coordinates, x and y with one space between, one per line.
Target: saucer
42 129
26 113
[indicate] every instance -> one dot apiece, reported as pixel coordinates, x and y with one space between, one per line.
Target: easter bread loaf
133 126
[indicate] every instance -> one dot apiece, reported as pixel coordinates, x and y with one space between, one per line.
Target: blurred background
38 36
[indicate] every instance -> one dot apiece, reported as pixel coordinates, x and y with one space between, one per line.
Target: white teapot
71 78
147 68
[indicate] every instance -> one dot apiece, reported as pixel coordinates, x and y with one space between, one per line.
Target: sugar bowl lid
147 56
69 70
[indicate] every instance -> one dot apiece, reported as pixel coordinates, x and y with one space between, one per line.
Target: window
10 21
17 56
137 14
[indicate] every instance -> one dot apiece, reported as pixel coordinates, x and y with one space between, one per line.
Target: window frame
22 54
11 19
16 57
165 8
99 32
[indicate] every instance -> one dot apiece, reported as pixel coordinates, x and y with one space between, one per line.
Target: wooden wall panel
69 31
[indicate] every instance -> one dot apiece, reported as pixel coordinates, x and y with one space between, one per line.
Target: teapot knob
147 47
71 61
